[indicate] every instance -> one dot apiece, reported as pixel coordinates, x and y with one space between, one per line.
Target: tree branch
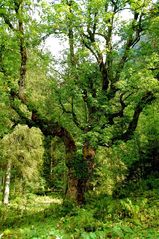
7 21
131 42
71 112
145 100
88 46
47 127
75 120
120 113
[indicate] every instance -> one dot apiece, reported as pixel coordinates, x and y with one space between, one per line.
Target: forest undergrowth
132 214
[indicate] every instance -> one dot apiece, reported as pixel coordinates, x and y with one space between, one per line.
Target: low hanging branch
47 127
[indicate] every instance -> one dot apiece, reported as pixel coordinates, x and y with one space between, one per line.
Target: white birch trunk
7 184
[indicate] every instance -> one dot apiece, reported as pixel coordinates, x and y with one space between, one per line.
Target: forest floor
46 217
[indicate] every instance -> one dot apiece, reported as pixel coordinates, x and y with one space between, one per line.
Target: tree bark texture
85 172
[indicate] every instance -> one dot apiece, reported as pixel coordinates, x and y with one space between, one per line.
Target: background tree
22 151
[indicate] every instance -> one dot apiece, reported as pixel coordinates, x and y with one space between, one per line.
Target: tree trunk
72 180
87 168
80 171
6 190
72 183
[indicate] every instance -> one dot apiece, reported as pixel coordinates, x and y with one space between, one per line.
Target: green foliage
130 209
104 217
23 147
54 167
110 170
72 95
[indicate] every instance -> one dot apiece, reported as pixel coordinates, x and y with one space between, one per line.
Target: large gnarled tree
105 86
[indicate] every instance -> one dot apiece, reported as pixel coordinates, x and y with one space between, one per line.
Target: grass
29 217
45 217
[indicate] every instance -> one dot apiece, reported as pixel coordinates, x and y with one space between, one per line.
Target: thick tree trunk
72 183
6 190
72 179
79 173
87 167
